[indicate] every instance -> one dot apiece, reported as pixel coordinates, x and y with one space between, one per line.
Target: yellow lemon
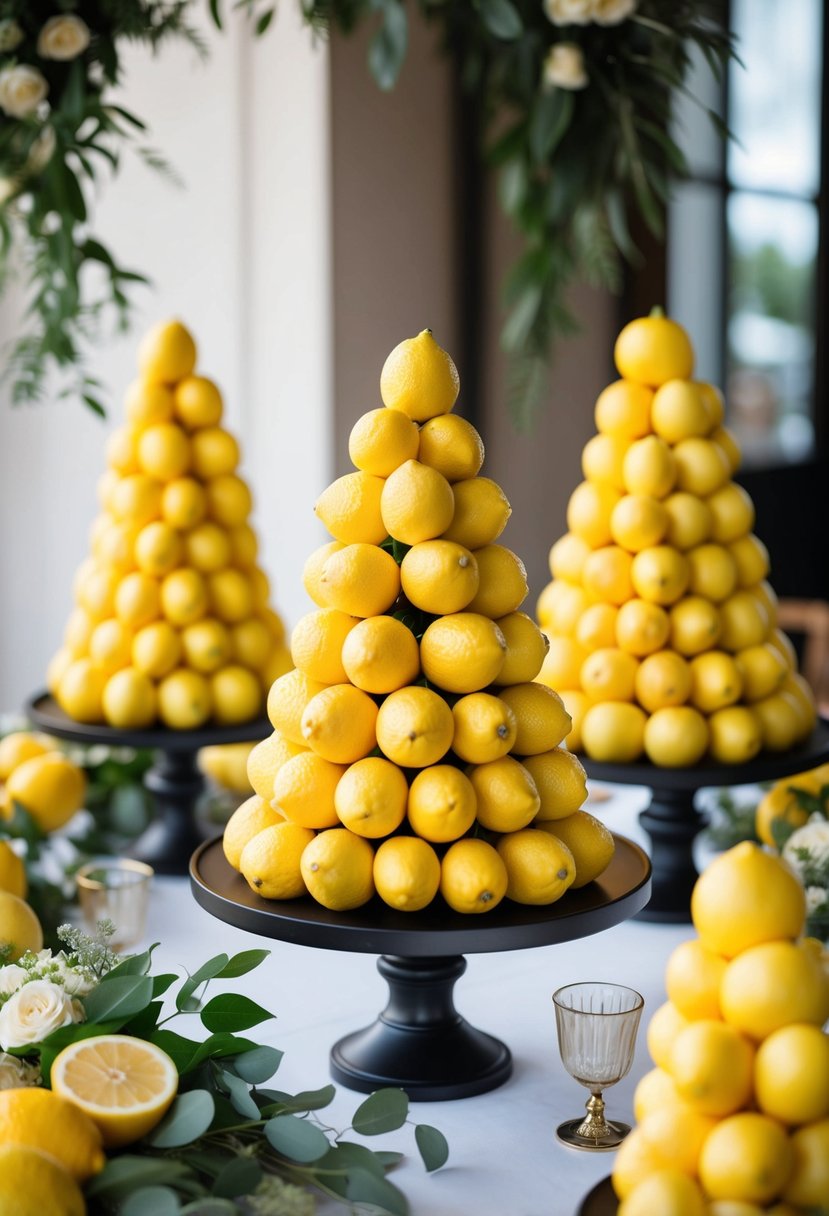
184 699
380 654
12 872
745 621
527 648
244 546
253 816
689 520
252 643
666 1191
596 627
19 746
56 668
796 687
655 1091
677 1135
339 724
414 727
419 378
451 445
649 468
664 1028
560 607
808 1182
198 402
695 625
236 694
502 584
371 797
692 980
78 632
481 513
229 500
506 794
751 558
485 728
226 764
270 861
638 522
745 897
561 782
783 643
701 466
288 696
416 503
317 643
679 410
540 867
439 576
606 575
735 735
590 842
676 736
589 511
80 690
715 681
304 788
350 509
122 450
541 718
231 595
137 499
713 399
609 675
125 1085
473 877
406 873
577 704
635 1162
105 488
164 451
726 440
264 761
110 646
779 717
652 350
206 645
641 628
732 513
746 1157
97 594
129 700
791 1074
712 572
462 652
359 579
442 803
381 440
184 596
214 452
158 548
602 458
37 1118
773 984
623 410
32 1183
146 403
50 787
183 503
660 574
206 548
780 804
712 1065
20 929
167 353
614 732
337 867
567 557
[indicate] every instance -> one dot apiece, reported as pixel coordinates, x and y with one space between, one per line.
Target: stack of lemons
662 625
735 1115
412 750
172 618
789 803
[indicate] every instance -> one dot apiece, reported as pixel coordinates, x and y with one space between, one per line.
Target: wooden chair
810 618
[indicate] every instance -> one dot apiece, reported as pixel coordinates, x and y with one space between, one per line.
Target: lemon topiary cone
662 625
172 619
412 728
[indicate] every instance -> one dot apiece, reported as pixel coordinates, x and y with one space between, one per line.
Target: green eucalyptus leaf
180 1050
501 18
432 1145
241 1176
206 972
231 1011
308 1099
240 1095
136 964
346 1155
152 1201
259 1065
242 963
118 998
363 1187
123 1175
551 117
188 1118
387 1159
144 1024
384 1111
296 1138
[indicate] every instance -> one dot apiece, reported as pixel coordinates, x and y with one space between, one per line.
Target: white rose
34 1011
570 12
17 1074
564 67
613 12
11 35
74 982
11 977
813 836
815 897
63 37
22 89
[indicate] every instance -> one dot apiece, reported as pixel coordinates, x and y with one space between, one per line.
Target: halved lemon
124 1085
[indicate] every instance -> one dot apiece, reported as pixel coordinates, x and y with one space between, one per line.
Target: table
504 1157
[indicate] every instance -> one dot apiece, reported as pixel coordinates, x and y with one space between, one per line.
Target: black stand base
176 783
672 823
420 1042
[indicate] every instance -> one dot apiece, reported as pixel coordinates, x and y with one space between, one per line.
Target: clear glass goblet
597 1026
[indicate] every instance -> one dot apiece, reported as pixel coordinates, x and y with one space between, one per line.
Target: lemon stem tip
657 311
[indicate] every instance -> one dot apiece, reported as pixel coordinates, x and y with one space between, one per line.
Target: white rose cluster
22 89
34 1011
583 12
17 1074
813 837
63 37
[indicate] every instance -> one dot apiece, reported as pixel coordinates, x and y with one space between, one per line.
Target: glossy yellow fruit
791 1074
129 700
462 652
252 643
206 645
609 675
416 503
360 579
692 979
641 628
317 644
270 861
638 522
80 690
808 1182
694 625
542 721
502 584
561 782
419 378
563 662
664 1028
481 513
19 746
660 574
780 804
614 732
735 735
677 1135
752 560
184 700
313 568
745 897
473 877
206 547
442 803
146 403
167 353
714 401
244 546
183 503
649 468
655 1091
680 411
198 402
371 797
185 597
287 699
712 1065
164 451
304 788
635 1162
560 607
406 873
264 761
123 1084
380 654
713 572
229 500
350 509
577 704
623 410
724 438
485 728
527 648
606 575
337 867
796 686
689 520
136 499
415 727
540 867
746 1157
506 794
40 1119
253 816
780 721
78 632
451 445
596 628
32 1183
668 1192
439 576
97 593
715 681
19 928
226 764
567 557
381 440
12 872
110 645
676 736
774 984
589 511
732 513
590 842
236 694
214 451
652 350
744 620
122 450
58 664
602 459
702 466
50 787
339 724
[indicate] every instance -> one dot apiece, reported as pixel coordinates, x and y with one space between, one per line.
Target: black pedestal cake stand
175 780
420 1042
673 822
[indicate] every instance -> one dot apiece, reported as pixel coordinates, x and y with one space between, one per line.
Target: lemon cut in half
124 1085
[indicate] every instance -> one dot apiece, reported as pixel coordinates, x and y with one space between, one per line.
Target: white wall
242 255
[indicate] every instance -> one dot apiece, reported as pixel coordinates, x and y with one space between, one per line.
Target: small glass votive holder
116 889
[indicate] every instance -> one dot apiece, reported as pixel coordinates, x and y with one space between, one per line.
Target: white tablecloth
504 1157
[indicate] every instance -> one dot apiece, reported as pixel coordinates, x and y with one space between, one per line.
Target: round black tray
420 1042
673 822
601 1201
175 780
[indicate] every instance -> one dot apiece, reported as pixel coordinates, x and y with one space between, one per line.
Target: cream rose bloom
564 67
613 12
63 37
22 89
11 35
813 836
570 12
73 982
34 1011
17 1074
11 977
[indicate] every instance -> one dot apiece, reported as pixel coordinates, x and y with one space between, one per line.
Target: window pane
692 126
775 100
695 272
771 339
